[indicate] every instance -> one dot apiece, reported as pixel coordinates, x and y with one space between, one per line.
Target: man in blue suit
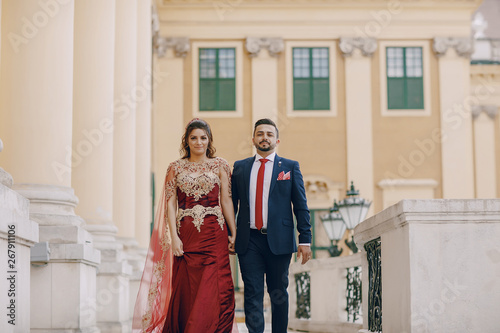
267 191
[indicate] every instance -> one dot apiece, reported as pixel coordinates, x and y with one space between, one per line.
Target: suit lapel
246 173
277 168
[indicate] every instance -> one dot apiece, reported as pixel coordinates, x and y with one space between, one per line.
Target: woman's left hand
231 243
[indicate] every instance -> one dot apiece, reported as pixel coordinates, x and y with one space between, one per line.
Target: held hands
304 252
177 248
231 243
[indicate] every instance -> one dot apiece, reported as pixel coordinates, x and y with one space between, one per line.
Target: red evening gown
200 297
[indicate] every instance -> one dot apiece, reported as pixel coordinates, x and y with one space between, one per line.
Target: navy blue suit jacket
283 194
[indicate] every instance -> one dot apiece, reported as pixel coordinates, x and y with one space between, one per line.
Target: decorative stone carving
479 25
367 46
490 110
179 44
462 45
274 45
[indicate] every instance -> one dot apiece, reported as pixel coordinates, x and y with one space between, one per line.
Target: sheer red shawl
155 290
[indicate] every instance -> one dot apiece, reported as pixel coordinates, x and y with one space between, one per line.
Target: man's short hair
266 121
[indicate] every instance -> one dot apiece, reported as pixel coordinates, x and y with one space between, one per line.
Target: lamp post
335 228
353 210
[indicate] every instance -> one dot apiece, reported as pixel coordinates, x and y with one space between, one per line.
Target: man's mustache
265 142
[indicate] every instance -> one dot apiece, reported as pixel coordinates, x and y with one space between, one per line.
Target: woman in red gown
186 284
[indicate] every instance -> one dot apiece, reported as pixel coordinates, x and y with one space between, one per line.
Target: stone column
484 150
93 128
456 127
126 93
137 251
36 100
264 76
17 235
357 53
124 136
168 120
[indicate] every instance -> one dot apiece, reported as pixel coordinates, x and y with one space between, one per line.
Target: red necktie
258 198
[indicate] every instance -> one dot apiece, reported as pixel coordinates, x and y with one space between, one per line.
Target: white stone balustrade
440 265
17 235
327 295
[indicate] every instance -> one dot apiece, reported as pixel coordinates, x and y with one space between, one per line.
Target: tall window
311 78
405 83
217 79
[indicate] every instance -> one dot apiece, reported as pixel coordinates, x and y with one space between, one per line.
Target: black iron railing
353 293
373 255
303 286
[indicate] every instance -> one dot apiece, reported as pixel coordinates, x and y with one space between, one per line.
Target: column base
63 289
113 285
83 330
136 257
119 327
6 178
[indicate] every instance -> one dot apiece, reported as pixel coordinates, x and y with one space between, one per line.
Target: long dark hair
193 124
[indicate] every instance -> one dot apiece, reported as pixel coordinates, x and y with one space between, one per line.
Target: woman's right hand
177 249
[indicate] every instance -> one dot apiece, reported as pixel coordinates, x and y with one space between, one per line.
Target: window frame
332 63
238 47
426 111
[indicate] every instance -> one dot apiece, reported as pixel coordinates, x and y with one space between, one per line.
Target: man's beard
268 148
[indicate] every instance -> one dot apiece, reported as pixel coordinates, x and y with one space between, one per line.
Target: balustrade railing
325 295
373 255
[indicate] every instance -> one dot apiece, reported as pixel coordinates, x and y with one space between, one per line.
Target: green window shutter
217 79
311 78
321 94
301 94
415 96
405 84
227 95
395 93
208 89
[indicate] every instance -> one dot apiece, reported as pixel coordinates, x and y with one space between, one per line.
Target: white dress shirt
268 173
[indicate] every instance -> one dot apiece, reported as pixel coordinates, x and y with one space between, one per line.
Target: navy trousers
256 262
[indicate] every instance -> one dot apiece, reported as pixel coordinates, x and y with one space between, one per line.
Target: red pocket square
284 176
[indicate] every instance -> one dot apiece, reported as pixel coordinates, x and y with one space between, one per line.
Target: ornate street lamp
335 228
353 210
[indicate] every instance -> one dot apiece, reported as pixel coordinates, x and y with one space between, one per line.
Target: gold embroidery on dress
197 186
198 213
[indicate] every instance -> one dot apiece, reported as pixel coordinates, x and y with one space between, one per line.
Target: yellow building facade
448 147
95 96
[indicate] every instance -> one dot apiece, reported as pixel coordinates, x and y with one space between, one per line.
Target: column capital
367 46
180 45
490 110
274 45
462 45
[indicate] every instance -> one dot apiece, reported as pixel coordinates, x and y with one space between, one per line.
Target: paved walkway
243 329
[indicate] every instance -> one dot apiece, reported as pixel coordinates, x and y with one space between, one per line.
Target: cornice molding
180 45
490 110
462 45
274 45
349 3
367 46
